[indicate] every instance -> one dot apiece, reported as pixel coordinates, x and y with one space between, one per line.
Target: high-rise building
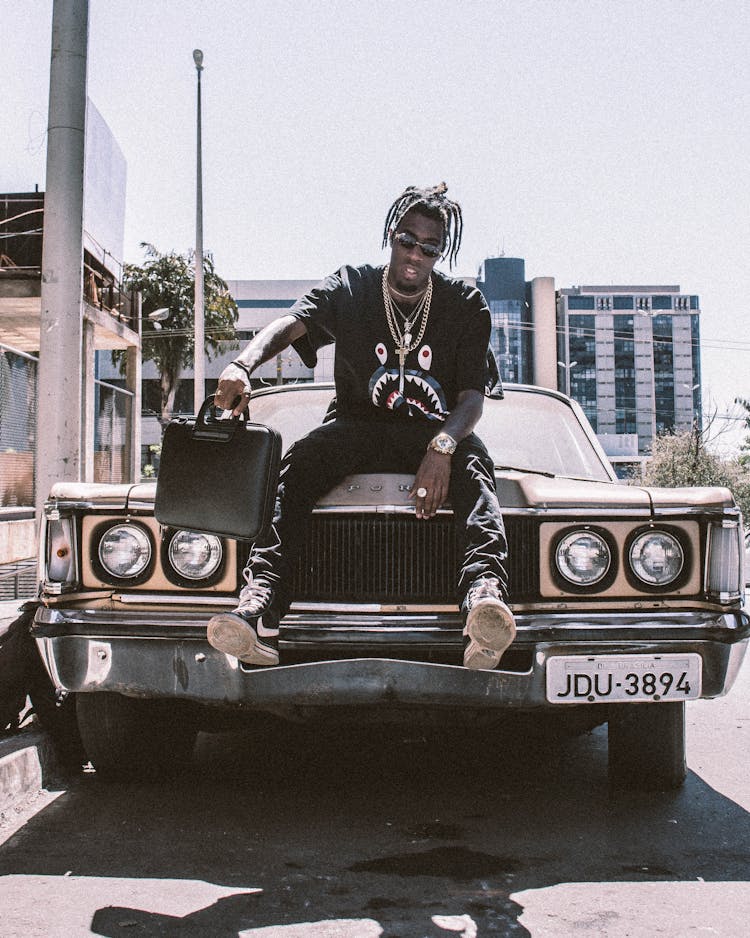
502 280
630 356
523 321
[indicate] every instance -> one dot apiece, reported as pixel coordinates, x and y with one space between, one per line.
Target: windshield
539 432
528 430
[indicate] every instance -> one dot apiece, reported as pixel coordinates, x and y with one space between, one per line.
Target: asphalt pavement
324 831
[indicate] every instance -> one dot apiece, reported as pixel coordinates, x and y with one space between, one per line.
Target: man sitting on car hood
410 372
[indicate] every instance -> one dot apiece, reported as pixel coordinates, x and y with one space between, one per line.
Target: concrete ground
8 612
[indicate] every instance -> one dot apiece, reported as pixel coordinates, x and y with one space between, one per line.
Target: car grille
398 559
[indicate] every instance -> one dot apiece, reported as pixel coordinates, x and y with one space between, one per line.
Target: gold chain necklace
403 339
412 297
408 321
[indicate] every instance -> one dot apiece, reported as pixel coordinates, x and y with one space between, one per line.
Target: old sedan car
628 603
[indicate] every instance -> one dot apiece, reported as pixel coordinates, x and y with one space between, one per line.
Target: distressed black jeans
317 462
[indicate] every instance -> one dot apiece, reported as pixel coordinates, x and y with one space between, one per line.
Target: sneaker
489 625
251 631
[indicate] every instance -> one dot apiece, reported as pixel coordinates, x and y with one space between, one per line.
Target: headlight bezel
605 579
175 576
104 573
675 534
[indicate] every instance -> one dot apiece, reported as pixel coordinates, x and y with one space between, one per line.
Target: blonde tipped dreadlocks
434 204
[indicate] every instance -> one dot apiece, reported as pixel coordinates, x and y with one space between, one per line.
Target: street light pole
696 414
568 366
199 369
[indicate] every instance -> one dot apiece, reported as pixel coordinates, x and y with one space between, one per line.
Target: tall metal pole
199 369
60 433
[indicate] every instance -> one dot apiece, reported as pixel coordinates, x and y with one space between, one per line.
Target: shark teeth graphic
394 398
420 406
384 386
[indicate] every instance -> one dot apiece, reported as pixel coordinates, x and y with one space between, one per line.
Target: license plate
636 678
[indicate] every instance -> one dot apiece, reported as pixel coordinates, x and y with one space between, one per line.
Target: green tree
683 459
745 445
168 280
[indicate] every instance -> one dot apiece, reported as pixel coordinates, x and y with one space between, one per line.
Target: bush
682 459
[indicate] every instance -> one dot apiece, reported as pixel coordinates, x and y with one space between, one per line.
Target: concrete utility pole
60 438
199 364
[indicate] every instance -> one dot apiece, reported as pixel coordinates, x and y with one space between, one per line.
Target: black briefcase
218 476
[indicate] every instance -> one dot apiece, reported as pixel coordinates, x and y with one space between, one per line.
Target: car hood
516 490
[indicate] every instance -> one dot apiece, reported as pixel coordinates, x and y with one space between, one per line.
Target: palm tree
168 280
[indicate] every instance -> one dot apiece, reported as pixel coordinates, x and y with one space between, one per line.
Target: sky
603 142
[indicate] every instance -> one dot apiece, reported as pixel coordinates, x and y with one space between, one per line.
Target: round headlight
583 558
656 558
125 551
195 556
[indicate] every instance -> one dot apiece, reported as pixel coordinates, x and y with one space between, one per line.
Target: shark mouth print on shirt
412 392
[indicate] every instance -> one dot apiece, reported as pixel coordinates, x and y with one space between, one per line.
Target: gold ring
421 493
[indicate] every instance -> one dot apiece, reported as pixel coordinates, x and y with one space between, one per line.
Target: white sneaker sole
491 629
229 633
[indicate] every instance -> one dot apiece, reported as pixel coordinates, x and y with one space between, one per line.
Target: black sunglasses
407 240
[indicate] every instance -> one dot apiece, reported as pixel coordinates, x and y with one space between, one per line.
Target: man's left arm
434 471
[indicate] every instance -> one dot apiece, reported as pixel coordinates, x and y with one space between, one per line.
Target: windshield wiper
536 472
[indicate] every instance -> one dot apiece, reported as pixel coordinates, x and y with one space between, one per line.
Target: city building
109 419
630 356
523 321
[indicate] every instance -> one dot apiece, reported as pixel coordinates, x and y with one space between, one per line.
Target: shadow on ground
386 831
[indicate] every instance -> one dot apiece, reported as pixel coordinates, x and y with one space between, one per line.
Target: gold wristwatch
443 443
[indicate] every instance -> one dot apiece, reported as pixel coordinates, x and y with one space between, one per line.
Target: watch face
443 443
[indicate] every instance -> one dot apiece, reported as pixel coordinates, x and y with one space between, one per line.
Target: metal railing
18 580
104 291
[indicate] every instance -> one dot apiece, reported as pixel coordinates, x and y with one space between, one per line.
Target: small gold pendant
402 352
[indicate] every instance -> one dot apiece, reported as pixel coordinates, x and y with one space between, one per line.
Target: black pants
317 462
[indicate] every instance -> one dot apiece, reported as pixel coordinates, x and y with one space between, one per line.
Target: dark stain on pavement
456 863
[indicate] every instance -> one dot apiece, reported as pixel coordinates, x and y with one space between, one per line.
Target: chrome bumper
159 654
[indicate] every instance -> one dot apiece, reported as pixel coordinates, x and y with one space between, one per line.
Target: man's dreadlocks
434 204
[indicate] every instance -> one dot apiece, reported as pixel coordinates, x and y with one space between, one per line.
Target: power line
14 234
588 333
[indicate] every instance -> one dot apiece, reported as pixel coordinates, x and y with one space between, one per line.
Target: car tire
127 737
647 746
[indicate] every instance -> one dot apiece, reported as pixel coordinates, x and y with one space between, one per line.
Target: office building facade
523 321
630 356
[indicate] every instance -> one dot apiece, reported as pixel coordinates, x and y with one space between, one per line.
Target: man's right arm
234 381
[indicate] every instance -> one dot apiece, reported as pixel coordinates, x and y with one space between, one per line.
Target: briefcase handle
210 427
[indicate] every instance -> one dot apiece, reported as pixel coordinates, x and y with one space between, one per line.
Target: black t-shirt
347 308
